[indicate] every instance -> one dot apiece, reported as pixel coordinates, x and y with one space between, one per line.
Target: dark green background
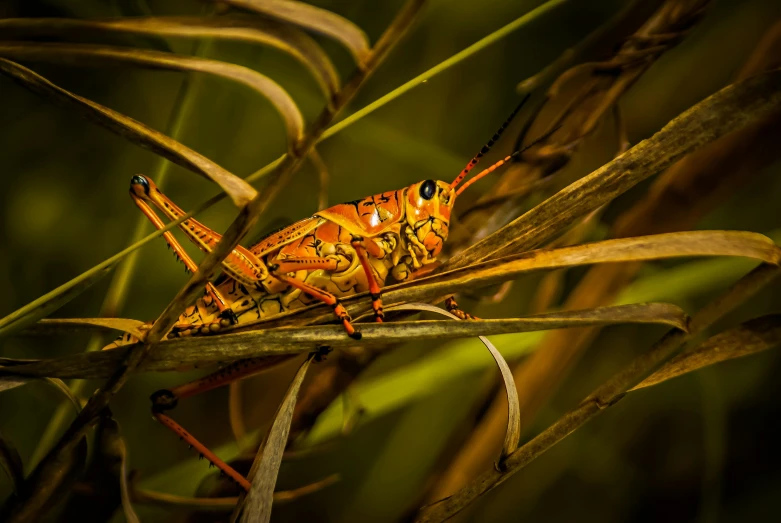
64 208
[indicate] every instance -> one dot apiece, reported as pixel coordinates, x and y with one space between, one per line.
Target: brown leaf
249 29
643 248
67 325
750 337
263 475
513 431
314 19
107 56
282 342
239 190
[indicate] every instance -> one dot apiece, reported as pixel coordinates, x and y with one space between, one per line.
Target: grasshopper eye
427 189
140 180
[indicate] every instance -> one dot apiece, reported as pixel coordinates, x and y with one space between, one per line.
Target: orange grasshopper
345 249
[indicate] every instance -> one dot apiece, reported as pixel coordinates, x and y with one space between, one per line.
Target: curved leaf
239 190
66 325
99 55
265 469
314 19
240 28
513 432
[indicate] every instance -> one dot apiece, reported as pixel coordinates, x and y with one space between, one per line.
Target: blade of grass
239 190
173 354
238 28
315 19
643 248
513 431
107 56
265 469
753 336
67 325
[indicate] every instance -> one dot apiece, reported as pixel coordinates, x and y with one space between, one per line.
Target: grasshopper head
428 213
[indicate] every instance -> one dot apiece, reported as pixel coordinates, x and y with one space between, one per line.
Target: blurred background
703 447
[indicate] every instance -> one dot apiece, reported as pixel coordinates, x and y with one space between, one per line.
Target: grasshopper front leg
280 267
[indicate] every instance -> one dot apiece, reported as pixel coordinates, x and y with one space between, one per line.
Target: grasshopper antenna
487 147
506 159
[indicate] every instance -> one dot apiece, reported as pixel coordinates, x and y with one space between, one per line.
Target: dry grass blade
240 28
239 190
728 110
315 19
643 248
513 433
66 325
171 355
263 475
106 56
11 462
48 303
695 243
751 337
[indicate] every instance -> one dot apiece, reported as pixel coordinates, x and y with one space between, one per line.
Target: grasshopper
345 249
